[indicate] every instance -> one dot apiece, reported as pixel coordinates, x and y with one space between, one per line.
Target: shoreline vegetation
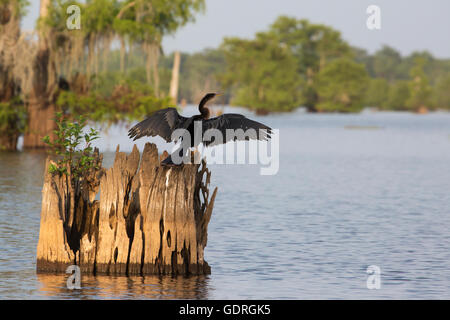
114 68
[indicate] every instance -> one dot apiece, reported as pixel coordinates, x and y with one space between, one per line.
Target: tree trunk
122 55
148 62
91 57
40 102
150 219
9 35
155 57
106 50
151 50
175 77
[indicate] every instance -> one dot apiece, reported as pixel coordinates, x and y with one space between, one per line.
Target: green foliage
362 56
263 75
325 86
386 62
93 106
278 70
201 72
140 25
418 86
57 15
72 146
313 46
20 6
377 93
128 101
147 20
341 86
138 20
441 93
398 95
98 16
13 117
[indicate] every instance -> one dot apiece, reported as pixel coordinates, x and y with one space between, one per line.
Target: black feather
160 123
236 121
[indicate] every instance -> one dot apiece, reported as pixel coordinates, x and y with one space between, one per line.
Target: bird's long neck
204 111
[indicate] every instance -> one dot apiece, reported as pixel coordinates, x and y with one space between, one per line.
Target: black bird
164 122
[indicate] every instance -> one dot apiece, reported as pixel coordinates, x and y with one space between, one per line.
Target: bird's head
201 107
210 96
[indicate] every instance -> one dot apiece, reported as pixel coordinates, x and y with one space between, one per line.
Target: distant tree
441 93
135 23
341 86
377 93
201 73
145 22
386 62
313 46
263 75
12 111
420 90
362 56
399 94
430 65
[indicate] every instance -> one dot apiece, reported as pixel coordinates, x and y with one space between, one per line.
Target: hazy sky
406 25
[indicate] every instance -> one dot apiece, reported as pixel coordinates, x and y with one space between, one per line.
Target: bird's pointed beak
219 94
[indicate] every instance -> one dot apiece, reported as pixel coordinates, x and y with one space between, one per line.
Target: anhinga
164 122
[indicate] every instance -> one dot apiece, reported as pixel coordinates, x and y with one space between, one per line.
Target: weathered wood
150 219
68 219
53 251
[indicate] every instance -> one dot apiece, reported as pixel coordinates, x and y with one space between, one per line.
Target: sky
407 25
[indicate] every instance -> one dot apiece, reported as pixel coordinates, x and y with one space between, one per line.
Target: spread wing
250 129
160 123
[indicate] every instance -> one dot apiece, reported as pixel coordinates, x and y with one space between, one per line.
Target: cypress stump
147 218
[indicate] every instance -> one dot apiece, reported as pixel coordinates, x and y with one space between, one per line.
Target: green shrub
128 101
72 147
13 117
341 86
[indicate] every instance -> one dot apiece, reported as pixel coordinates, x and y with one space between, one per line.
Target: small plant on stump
73 148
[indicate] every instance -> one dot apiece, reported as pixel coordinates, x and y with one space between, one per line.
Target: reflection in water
121 287
342 200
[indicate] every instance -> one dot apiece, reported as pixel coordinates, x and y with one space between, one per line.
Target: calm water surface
351 191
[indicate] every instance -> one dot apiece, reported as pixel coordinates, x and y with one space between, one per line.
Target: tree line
56 69
298 63
114 68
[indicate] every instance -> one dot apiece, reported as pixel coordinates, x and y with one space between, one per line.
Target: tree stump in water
150 219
